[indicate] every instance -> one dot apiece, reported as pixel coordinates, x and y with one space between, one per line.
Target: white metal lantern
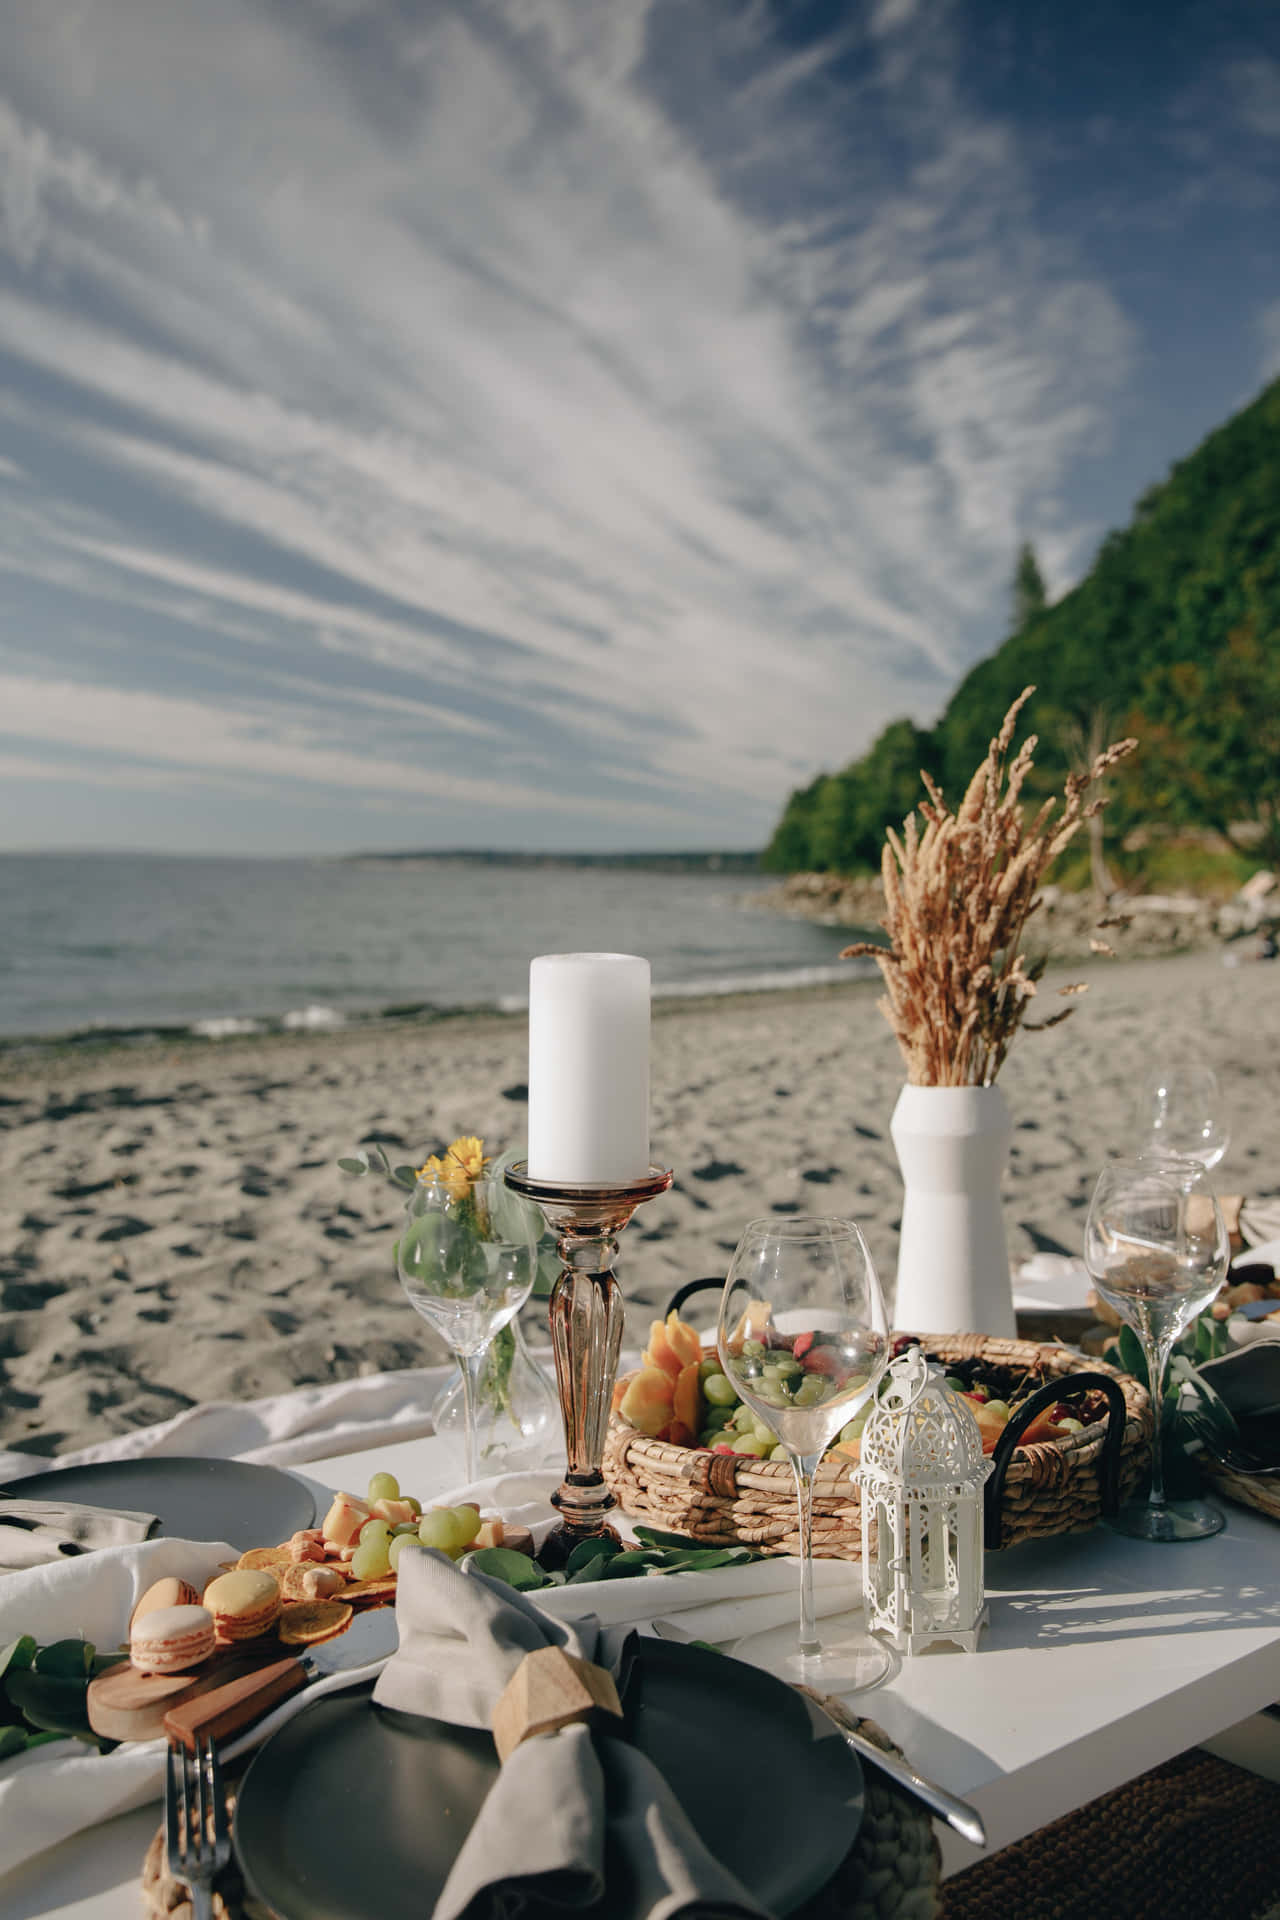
922 1473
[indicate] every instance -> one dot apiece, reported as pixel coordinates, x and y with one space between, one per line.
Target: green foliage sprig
607 1559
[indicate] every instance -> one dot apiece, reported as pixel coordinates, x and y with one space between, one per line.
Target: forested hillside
1174 636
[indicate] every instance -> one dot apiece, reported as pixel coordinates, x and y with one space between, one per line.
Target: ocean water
218 946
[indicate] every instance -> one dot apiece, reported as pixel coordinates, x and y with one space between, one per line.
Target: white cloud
1255 84
451 350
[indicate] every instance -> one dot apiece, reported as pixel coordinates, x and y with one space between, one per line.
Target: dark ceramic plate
193 1499
351 1812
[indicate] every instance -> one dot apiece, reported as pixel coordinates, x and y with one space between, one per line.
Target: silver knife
958 1814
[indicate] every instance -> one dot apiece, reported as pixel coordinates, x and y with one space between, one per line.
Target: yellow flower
467 1153
461 1163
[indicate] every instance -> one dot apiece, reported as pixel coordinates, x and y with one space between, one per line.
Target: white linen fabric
281 1430
569 1814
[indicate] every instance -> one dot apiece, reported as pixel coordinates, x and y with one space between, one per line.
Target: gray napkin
572 1822
35 1532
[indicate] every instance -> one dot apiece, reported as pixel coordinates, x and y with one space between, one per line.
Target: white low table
1104 1657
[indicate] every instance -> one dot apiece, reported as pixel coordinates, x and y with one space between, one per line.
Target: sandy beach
173 1226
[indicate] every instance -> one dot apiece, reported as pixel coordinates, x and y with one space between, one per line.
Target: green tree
1029 596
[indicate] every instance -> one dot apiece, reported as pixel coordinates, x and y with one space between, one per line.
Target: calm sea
221 946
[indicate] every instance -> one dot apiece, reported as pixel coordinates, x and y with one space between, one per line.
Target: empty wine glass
1181 1114
1156 1248
467 1259
803 1336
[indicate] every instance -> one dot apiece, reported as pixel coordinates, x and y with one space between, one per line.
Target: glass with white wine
1156 1248
804 1338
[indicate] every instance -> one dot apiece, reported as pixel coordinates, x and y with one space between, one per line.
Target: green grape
438 1529
468 1523
752 1443
778 1453
409 1526
707 1367
374 1532
384 1486
717 1417
398 1545
785 1364
853 1428
414 1505
371 1559
812 1391
763 1431
743 1419
718 1390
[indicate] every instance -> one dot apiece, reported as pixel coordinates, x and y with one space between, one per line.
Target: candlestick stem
587 1315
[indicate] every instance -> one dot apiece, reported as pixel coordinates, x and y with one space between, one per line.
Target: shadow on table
1077 1615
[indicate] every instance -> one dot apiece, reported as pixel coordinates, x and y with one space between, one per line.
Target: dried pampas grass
958 897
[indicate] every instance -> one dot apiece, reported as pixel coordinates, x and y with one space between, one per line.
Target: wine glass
804 1337
467 1260
1181 1114
1156 1248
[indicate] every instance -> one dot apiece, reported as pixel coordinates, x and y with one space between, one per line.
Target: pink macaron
171 1639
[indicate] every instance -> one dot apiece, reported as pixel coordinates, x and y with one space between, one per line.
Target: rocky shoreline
1067 924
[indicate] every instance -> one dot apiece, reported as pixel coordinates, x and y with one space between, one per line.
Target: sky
573 424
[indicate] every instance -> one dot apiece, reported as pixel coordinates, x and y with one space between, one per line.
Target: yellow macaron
244 1603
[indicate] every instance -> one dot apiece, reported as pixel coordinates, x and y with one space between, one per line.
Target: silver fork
193 1794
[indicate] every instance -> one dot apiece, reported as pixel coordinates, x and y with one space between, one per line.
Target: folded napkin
585 1822
34 1532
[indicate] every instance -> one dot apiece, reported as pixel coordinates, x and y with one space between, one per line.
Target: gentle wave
325 1019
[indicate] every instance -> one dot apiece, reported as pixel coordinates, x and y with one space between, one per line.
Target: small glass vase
518 1423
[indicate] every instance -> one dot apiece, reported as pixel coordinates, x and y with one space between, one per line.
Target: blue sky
550 423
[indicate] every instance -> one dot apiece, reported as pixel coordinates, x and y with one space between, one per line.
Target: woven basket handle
687 1291
1046 1396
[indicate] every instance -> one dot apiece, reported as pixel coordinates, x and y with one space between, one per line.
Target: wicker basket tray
1054 1486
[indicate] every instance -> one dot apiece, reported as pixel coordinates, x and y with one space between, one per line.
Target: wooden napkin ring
548 1690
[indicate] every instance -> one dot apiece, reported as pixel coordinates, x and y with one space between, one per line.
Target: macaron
171 1639
165 1593
244 1603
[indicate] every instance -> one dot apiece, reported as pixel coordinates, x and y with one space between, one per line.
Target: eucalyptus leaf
513 1569
655 1537
588 1571
19 1653
13 1740
588 1551
405 1176
1132 1359
625 1565
351 1163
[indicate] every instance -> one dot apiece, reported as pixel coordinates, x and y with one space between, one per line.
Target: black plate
231 1500
351 1812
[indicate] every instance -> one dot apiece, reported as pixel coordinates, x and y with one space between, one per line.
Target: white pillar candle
588 1068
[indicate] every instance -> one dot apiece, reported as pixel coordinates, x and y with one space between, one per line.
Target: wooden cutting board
126 1705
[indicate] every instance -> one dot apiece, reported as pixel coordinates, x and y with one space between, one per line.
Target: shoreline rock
1134 926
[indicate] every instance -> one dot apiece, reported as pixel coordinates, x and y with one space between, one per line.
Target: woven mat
1195 1839
891 1873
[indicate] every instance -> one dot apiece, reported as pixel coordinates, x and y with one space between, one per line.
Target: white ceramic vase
952 1144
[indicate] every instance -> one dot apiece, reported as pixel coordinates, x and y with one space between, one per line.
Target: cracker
370 1593
263 1559
311 1621
294 1587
